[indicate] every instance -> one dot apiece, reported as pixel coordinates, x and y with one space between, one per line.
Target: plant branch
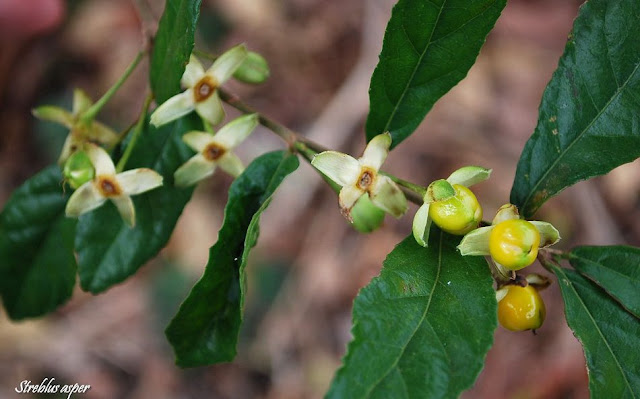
305 147
137 130
88 115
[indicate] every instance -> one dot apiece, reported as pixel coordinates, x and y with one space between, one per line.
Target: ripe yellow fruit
514 243
521 309
459 214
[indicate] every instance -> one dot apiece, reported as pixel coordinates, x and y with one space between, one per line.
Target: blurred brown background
309 264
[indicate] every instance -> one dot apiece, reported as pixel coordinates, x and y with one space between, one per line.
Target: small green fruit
78 169
366 216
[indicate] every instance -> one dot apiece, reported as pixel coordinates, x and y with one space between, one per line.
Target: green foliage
37 266
108 250
589 121
422 328
609 335
614 268
428 48
205 330
172 46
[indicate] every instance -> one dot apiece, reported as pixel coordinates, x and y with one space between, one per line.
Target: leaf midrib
579 137
424 316
597 327
415 69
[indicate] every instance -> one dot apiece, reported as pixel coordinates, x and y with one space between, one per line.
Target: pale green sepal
439 190
501 293
376 151
366 216
227 63
253 70
54 114
81 101
549 235
422 225
341 168
191 172
469 175
476 242
389 197
236 131
506 212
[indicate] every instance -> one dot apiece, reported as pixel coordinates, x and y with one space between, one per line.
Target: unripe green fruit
366 216
458 214
521 309
78 169
254 69
514 243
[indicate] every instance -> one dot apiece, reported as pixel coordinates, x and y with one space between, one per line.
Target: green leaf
614 268
205 330
37 265
172 46
108 250
423 327
589 121
428 48
609 335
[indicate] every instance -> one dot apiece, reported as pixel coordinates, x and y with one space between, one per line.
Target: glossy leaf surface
37 265
609 335
108 250
589 121
172 46
205 330
429 46
422 328
614 268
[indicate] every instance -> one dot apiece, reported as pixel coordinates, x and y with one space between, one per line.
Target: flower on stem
511 242
107 185
201 92
80 131
450 204
360 176
215 150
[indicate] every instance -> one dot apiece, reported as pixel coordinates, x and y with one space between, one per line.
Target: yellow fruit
521 309
514 243
459 214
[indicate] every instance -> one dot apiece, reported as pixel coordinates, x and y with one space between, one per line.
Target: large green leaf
609 335
205 330
172 46
614 268
37 265
428 48
422 328
589 120
108 250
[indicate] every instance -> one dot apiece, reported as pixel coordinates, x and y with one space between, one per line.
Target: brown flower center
366 179
204 88
108 186
213 152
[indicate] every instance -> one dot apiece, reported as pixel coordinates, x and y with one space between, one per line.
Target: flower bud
366 216
254 69
78 169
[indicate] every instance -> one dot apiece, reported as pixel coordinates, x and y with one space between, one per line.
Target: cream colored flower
360 176
107 185
201 94
215 150
80 131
